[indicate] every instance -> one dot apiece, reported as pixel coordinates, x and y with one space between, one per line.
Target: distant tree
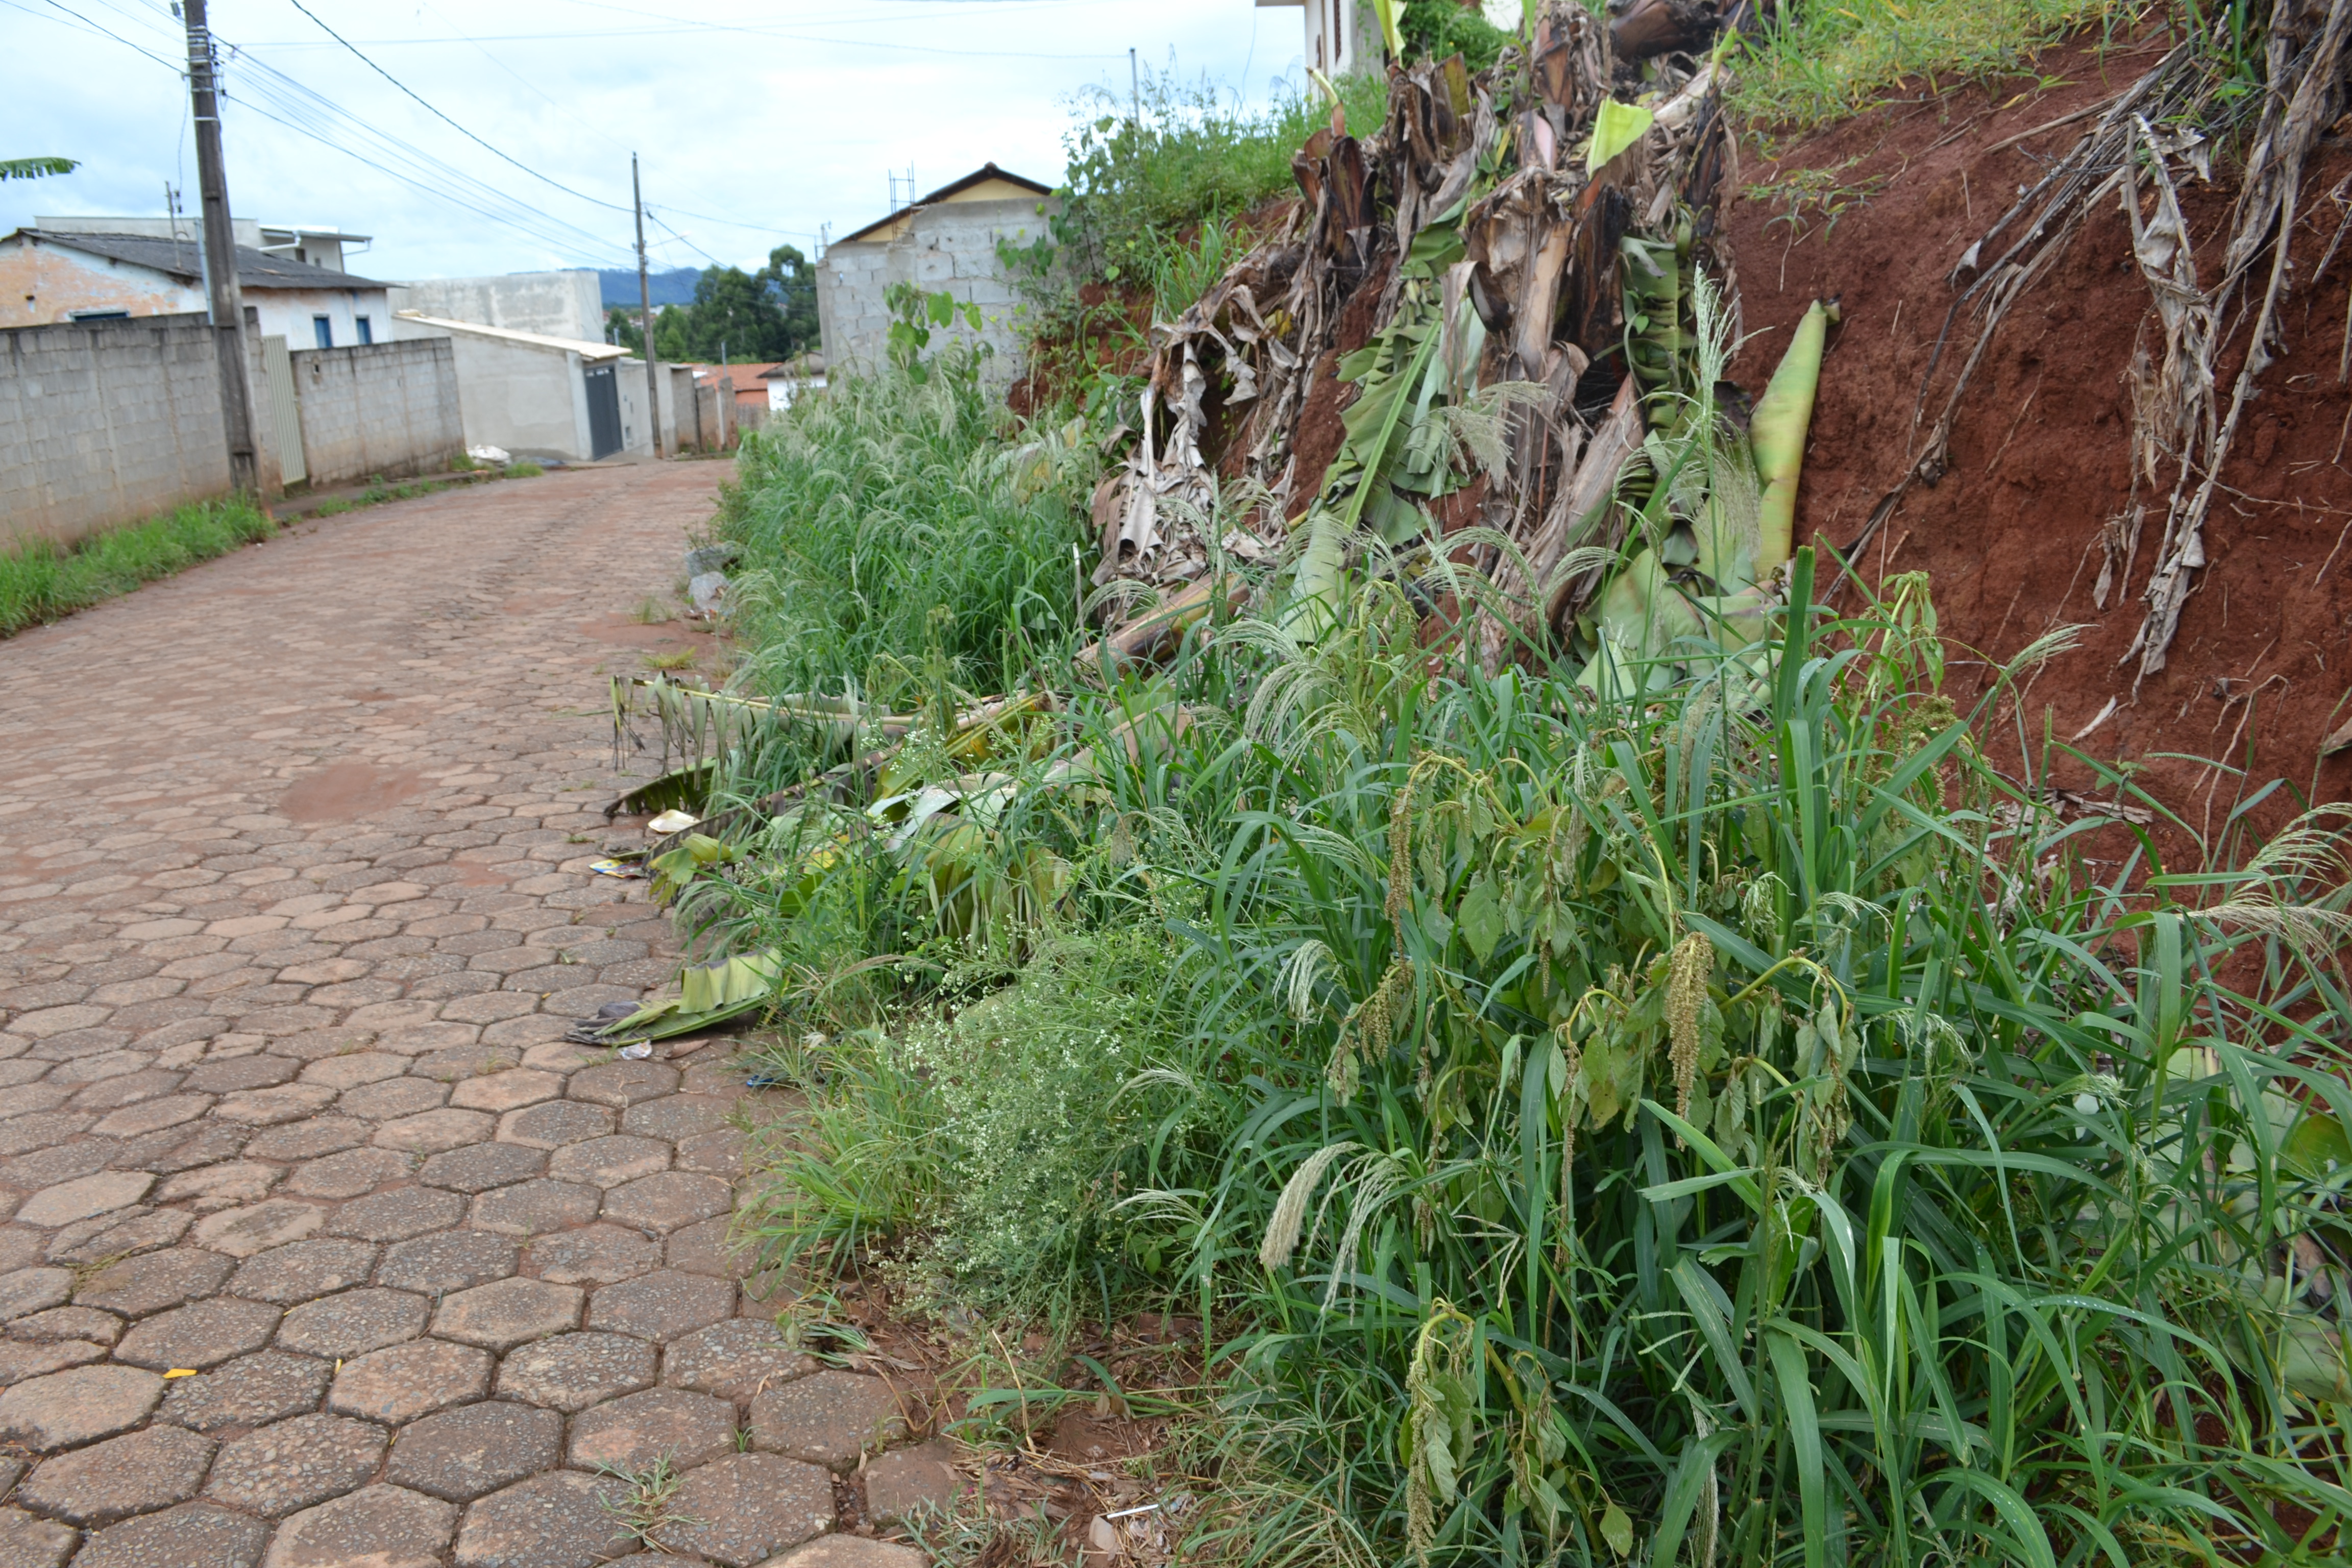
35 168
621 327
770 314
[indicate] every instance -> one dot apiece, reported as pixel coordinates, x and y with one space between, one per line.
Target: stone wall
388 409
951 247
103 422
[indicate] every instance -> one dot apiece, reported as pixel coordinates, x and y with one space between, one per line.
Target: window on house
96 315
323 329
367 330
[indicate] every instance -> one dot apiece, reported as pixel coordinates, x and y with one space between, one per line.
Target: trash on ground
708 593
497 454
637 1052
616 868
672 821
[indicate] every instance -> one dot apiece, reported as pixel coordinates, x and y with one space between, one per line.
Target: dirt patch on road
346 792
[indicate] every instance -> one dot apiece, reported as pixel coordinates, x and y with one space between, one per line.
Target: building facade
50 276
945 242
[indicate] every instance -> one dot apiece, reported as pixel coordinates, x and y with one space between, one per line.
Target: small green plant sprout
524 469
651 612
683 659
649 1505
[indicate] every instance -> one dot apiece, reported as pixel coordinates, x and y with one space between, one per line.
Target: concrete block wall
388 409
568 304
104 423
951 247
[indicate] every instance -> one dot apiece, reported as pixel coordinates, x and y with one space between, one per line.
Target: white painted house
1342 36
48 275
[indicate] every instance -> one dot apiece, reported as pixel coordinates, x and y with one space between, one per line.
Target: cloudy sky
495 137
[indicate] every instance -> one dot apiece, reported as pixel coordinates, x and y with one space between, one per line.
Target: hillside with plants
1393 894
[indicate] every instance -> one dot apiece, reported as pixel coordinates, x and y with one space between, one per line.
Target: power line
461 131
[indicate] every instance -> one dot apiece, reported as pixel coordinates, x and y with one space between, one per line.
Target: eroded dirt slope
2040 455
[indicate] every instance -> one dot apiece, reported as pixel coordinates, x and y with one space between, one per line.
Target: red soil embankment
2040 455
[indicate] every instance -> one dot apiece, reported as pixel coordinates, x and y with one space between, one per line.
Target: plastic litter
672 822
616 868
637 1052
489 455
181 1372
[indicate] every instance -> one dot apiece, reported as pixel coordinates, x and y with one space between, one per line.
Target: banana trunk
1777 430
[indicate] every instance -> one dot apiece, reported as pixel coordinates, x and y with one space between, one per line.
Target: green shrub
39 581
523 468
891 523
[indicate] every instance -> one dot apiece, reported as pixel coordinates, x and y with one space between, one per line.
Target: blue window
324 330
367 330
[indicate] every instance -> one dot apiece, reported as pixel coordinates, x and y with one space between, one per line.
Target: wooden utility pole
219 253
646 310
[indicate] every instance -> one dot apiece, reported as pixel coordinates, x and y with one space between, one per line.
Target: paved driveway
321 1248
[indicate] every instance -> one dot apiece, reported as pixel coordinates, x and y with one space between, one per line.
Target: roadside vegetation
41 581
1630 1093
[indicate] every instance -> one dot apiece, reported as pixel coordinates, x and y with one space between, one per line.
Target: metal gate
285 409
603 410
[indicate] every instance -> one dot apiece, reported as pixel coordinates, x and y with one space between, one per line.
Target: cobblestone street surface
321 1248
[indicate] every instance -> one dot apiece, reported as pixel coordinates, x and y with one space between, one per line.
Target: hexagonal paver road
316 1243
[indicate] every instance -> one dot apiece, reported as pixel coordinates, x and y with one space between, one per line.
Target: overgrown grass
890 528
1730 1128
39 581
1823 63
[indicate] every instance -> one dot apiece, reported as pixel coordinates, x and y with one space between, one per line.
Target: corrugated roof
181 258
585 348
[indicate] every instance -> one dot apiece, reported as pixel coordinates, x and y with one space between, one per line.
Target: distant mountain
675 287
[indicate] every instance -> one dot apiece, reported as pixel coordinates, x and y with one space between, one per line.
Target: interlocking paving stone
632 1432
461 1455
218 1186
394 1098
715 1153
303 1270
400 1382
535 1207
84 1199
29 1290
295 1463
851 1551
291 1028
397 1215
668 1201
451 1261
349 1174
904 1481
709 1247
119 1234
556 1123
192 1535
138 1472
503 1091
251 1391
609 1162
377 1526
355 1323
574 1370
19 1362
26 1542
479 1167
622 1084
676 1116
431 1131
242 1232
310 1140
744 1509
735 1360
596 1254
507 1313
662 1305
67 1409
828 1418
200 1334
561 1520
67 1324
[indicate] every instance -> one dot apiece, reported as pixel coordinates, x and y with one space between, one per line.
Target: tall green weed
40 582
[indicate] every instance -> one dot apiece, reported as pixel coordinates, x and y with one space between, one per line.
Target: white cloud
761 121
